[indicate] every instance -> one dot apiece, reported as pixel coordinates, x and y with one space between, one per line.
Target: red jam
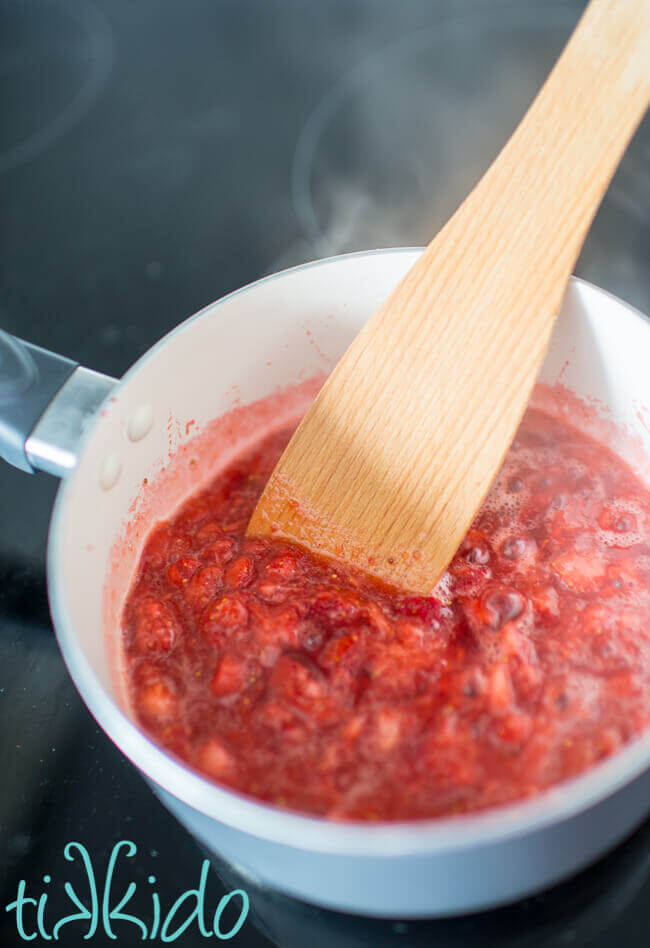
310 686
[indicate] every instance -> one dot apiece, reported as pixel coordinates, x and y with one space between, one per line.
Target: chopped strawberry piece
500 693
515 728
286 626
352 728
230 676
580 574
274 592
157 701
377 620
156 627
180 572
276 626
216 760
282 567
545 599
221 550
336 649
426 608
340 608
227 614
279 716
204 584
209 531
388 729
610 741
412 633
296 678
240 573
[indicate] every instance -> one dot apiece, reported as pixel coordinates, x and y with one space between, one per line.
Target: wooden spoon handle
389 465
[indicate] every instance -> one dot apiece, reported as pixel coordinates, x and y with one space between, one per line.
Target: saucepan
107 438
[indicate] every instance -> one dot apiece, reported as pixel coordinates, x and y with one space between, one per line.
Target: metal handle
45 403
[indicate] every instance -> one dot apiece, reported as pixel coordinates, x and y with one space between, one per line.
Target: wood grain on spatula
392 461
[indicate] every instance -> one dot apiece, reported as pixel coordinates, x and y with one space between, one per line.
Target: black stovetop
155 154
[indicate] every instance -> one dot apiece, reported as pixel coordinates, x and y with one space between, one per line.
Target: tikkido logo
92 912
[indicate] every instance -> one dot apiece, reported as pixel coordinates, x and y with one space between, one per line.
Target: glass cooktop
154 156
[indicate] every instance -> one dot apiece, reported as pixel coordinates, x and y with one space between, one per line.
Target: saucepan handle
46 401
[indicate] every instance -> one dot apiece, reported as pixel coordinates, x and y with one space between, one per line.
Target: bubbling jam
308 685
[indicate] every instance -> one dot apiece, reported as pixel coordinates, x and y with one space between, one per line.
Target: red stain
644 419
314 343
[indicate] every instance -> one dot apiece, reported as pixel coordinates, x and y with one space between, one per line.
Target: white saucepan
280 330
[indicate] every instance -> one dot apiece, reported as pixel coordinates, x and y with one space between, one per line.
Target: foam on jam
308 685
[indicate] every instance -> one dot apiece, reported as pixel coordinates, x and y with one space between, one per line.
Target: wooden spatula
394 458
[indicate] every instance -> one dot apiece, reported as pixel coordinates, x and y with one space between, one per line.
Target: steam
391 149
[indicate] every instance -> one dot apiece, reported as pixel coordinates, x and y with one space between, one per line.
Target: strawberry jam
308 685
